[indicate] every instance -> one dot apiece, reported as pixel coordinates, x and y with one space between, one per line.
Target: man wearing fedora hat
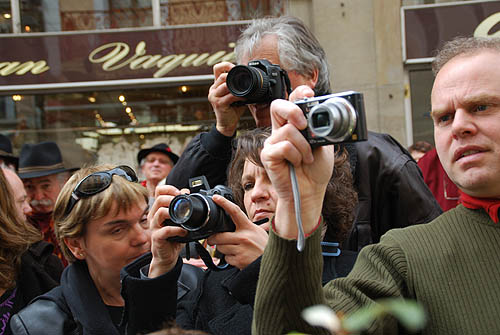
43 173
7 159
156 163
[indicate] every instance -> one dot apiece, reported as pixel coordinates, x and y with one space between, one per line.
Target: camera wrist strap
301 239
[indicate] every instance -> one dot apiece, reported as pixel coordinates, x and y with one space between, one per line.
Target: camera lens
247 82
241 82
334 119
182 208
321 119
189 211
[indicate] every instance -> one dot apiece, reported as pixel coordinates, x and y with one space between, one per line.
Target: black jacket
223 301
40 272
76 307
391 190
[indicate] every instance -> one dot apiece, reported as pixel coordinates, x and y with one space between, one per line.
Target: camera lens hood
247 82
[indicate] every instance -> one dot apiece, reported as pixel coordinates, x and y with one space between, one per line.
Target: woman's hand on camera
165 252
313 167
244 245
220 98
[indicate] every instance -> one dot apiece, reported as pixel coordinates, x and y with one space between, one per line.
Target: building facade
106 78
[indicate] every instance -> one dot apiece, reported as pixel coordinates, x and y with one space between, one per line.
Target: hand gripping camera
260 82
198 213
334 118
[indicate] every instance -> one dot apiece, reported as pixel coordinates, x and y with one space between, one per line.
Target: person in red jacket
444 190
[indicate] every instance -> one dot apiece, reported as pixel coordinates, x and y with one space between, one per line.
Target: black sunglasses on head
97 182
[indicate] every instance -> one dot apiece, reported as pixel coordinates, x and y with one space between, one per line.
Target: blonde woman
101 223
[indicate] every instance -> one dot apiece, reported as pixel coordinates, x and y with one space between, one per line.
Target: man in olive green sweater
450 265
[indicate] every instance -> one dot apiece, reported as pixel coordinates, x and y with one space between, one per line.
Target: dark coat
391 190
76 306
40 272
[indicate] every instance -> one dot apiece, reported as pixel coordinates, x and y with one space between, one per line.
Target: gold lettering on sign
18 68
119 51
115 55
485 26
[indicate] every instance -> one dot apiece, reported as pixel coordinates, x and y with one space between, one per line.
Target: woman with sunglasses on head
101 223
223 301
27 266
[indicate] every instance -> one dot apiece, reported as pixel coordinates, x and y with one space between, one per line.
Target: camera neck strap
207 259
286 79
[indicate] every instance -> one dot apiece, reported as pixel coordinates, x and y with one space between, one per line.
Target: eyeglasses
97 182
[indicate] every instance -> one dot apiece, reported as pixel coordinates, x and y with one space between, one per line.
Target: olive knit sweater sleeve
451 266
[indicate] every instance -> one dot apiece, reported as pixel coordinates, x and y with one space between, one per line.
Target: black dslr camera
198 213
334 118
260 82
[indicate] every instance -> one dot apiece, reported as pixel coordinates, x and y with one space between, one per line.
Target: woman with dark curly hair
340 197
254 194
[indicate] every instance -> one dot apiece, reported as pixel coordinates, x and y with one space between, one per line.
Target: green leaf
408 312
362 318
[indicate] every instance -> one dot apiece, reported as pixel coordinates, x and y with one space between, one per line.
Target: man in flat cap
7 158
43 173
156 163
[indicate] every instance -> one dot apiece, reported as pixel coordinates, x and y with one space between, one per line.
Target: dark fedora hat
6 150
161 147
42 159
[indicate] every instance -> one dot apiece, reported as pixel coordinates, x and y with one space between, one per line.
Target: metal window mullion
16 16
155 9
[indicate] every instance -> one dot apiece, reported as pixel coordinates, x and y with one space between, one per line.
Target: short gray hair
298 49
463 46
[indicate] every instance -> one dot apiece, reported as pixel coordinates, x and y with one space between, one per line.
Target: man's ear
313 80
76 246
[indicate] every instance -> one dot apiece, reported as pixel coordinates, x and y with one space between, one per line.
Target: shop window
106 14
5 18
86 124
174 12
69 15
421 81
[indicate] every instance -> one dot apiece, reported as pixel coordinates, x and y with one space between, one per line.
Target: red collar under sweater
491 206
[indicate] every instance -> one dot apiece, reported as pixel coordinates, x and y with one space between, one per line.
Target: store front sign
103 56
428 27
117 55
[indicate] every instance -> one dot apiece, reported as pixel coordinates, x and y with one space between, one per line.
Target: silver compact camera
334 118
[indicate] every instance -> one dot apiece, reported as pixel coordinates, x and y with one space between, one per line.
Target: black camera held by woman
260 82
334 118
198 213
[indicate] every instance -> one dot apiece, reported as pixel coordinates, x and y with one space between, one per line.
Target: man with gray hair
392 192
450 265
